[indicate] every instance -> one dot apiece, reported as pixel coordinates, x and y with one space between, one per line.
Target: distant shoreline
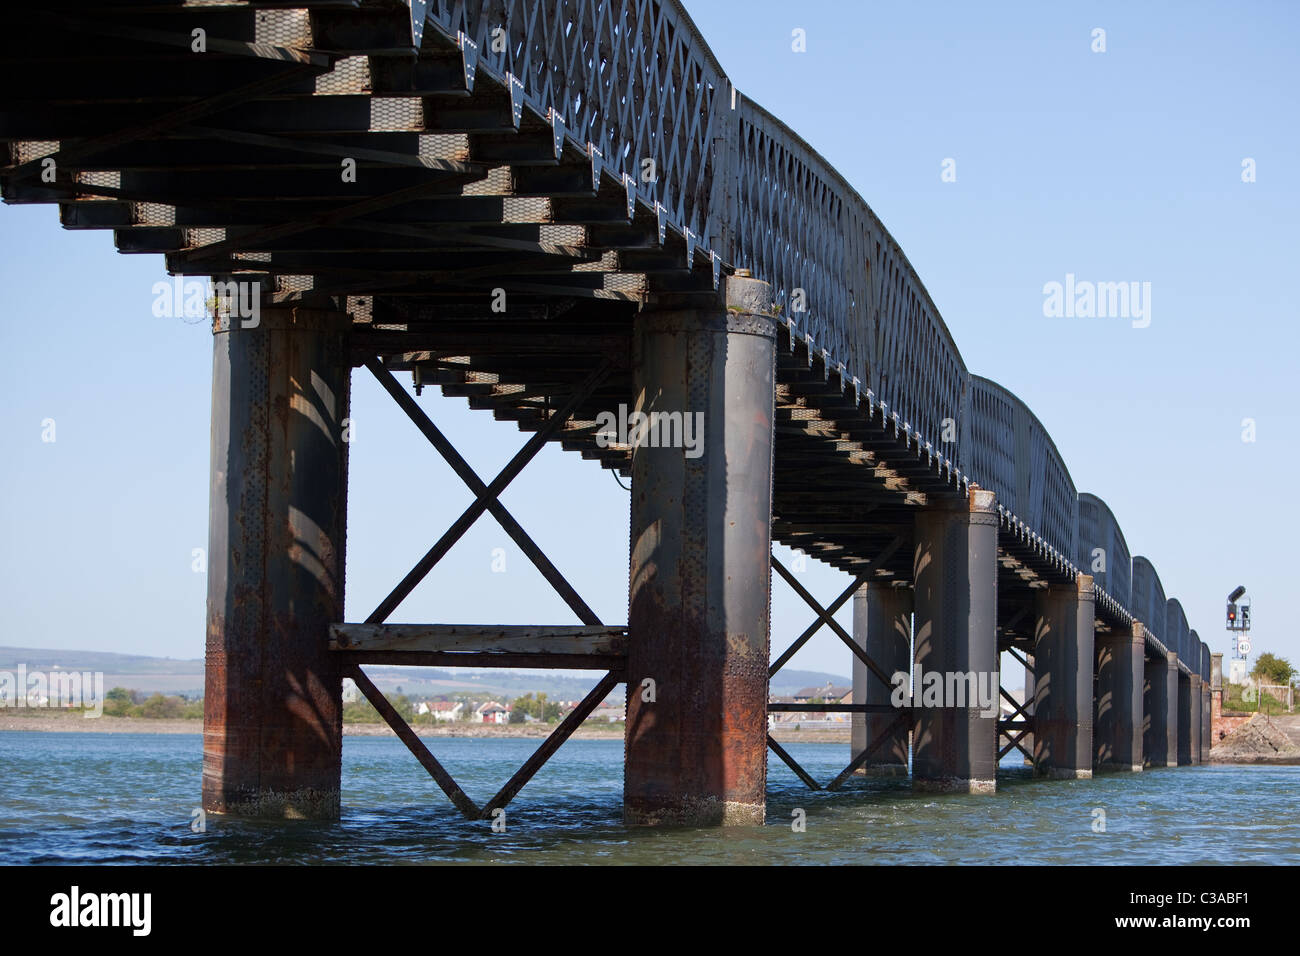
69 723
75 724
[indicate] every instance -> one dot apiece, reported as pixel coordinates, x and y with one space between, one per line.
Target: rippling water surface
128 798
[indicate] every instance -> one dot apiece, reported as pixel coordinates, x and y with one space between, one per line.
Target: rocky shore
1260 740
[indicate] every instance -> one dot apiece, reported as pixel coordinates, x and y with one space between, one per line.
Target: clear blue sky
1115 166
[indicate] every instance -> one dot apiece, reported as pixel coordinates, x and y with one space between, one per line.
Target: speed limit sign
1243 646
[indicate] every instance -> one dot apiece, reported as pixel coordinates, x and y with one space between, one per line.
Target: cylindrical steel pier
696 750
955 635
272 724
1117 730
1063 662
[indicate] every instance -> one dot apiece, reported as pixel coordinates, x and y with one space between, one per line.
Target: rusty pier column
1171 709
699 596
1183 739
882 626
954 744
272 720
1206 721
1216 699
1196 720
1160 702
1117 729
1063 662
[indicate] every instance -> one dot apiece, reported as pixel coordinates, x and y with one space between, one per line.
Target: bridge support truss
593 645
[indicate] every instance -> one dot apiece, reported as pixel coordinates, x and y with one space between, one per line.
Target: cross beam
825 615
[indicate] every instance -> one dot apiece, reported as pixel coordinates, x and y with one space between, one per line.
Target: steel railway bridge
552 208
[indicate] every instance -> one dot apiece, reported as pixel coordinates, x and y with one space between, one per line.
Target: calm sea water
127 798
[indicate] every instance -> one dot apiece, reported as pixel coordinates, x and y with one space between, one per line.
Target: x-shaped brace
486 499
1015 742
1020 709
825 616
904 719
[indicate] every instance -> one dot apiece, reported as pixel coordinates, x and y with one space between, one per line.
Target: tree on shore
1271 669
540 706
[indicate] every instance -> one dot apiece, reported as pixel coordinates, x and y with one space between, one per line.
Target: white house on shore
492 713
441 709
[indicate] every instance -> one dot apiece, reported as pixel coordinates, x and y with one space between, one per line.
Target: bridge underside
391 206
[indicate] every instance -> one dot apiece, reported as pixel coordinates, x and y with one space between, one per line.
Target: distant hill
41 658
786 682
422 682
171 676
135 671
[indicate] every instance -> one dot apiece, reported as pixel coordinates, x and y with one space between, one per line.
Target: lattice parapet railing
631 77
1102 550
1148 601
796 223
1178 635
1007 449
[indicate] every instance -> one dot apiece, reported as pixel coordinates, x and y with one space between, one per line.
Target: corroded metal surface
272 729
699 605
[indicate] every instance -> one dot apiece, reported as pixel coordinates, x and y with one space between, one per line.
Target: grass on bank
1266 703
